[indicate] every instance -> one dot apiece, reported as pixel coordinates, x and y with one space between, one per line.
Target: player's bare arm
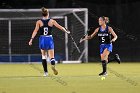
114 34
34 32
94 33
60 27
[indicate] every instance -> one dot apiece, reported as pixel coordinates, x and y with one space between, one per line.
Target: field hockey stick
81 39
73 40
76 46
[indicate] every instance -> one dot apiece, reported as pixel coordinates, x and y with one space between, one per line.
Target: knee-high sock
104 65
44 64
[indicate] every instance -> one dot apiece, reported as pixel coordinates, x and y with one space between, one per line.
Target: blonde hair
44 11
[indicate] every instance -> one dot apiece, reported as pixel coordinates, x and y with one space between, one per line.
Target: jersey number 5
45 30
103 39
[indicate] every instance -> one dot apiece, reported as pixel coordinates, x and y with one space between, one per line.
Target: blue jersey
45 29
104 39
46 39
104 36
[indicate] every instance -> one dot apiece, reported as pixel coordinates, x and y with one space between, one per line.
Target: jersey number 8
45 30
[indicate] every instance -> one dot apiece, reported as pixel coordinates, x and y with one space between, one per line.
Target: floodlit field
72 78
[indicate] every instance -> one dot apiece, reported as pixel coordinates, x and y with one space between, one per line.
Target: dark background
124 18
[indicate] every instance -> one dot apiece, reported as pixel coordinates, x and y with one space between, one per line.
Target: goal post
20 24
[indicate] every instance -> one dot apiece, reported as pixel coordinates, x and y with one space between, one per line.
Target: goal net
17 26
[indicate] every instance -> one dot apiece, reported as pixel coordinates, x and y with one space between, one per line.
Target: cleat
45 74
54 70
117 58
103 74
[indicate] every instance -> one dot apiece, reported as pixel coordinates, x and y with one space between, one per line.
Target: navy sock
104 65
44 63
52 61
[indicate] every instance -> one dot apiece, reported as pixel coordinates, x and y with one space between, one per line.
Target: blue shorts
46 42
104 46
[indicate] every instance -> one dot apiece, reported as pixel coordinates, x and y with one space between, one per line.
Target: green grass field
72 78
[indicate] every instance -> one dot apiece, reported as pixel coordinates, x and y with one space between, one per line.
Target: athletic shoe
117 58
45 74
103 74
54 70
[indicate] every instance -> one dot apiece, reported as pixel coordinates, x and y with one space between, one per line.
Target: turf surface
72 78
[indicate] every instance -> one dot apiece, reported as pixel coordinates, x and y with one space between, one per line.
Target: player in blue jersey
46 44
104 33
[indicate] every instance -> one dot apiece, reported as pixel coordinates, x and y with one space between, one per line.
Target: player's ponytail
44 11
106 20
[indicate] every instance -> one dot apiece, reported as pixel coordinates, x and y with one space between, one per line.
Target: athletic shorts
46 42
104 46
